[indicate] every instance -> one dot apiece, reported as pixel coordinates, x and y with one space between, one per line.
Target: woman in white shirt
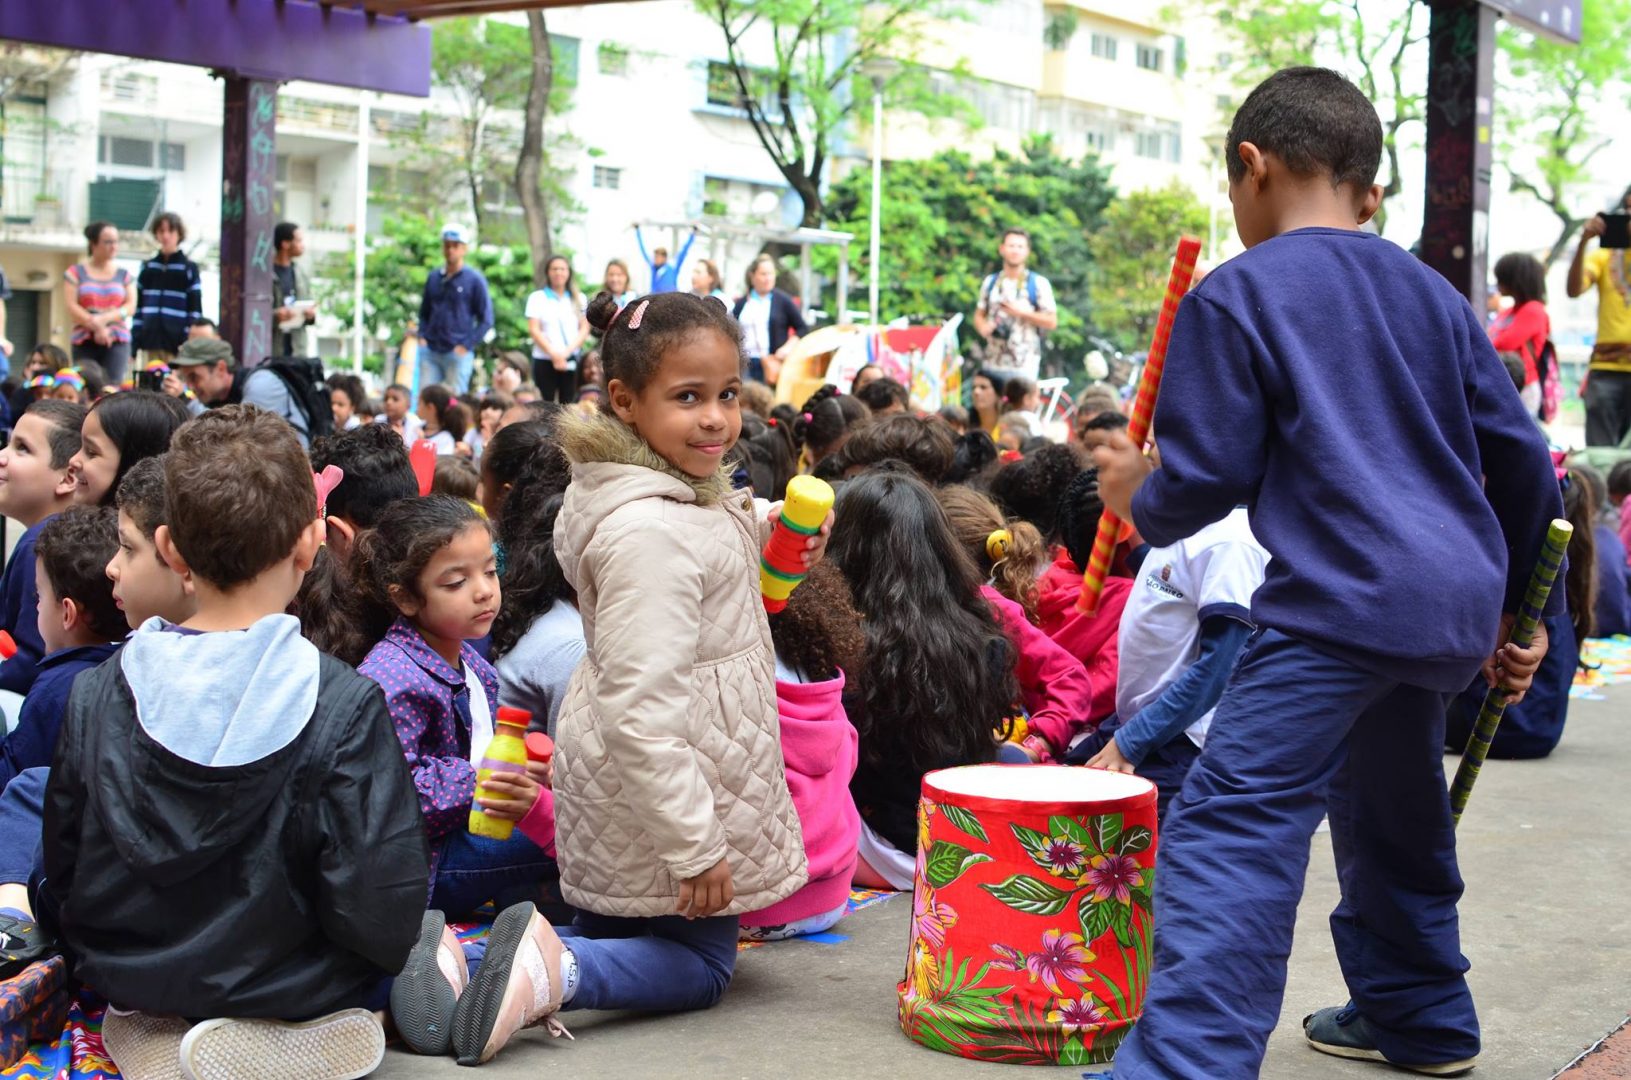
616 282
558 327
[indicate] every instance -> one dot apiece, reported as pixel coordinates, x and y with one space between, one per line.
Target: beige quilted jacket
669 745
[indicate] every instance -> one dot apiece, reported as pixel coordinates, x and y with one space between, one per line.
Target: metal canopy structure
430 9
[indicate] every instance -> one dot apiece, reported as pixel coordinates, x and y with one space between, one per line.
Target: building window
1158 144
1104 46
726 197
127 153
1099 139
726 93
1149 58
606 177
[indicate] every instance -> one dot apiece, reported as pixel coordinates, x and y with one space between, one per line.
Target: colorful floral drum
1031 919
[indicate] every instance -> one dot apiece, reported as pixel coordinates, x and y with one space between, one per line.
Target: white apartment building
656 133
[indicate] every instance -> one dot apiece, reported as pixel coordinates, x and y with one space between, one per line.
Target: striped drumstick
1138 425
1523 630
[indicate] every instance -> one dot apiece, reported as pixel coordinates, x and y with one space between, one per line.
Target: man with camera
1015 309
1608 382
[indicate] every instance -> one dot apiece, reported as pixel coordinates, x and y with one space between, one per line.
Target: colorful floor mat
1606 662
76 1054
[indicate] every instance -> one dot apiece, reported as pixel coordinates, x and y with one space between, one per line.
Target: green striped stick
1489 717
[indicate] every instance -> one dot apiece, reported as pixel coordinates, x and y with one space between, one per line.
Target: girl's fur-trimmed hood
600 438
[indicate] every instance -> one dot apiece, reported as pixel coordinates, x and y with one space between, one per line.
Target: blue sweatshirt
1613 597
455 310
1347 394
34 740
665 278
19 613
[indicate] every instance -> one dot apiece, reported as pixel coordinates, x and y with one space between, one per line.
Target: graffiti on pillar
263 252
249 173
1458 104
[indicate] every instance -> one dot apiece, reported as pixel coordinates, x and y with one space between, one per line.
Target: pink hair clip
639 313
325 482
809 417
452 401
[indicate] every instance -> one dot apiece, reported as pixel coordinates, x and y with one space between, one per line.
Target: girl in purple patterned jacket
430 585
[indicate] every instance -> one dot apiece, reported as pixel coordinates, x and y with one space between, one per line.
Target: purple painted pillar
248 179
1460 111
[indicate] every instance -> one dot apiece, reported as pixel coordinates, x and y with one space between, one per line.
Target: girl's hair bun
601 311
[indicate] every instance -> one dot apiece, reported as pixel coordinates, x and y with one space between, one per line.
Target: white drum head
1039 783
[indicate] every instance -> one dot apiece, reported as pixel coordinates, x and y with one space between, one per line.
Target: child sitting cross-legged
79 622
819 644
1053 684
937 678
35 482
250 847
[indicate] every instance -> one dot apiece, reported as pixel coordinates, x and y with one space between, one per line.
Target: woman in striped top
101 297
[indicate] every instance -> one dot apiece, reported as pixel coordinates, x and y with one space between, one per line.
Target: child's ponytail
452 415
1010 553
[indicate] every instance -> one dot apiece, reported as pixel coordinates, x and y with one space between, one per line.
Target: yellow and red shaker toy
8 647
506 753
781 566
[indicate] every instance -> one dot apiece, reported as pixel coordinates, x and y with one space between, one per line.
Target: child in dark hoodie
79 623
251 847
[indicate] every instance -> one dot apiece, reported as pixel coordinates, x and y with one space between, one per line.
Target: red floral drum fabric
1031 925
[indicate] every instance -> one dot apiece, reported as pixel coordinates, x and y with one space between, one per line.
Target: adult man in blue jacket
454 316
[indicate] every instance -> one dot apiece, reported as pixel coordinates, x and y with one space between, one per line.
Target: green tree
398 260
1547 110
1367 40
943 218
1132 259
821 54
473 158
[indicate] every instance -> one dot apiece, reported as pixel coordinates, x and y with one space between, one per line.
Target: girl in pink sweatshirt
1054 686
817 637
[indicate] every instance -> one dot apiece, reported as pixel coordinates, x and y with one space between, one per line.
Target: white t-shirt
558 317
481 717
1216 571
410 429
443 441
755 320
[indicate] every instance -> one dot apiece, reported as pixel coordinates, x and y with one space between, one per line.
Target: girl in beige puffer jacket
673 812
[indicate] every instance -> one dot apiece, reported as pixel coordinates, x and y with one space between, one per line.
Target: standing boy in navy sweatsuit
1348 396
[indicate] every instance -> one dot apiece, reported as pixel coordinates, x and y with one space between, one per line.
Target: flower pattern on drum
1031 936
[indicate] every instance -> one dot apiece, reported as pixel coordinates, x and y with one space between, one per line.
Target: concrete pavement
1546 922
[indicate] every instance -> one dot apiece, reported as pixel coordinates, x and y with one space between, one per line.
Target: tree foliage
469 160
1549 107
1132 259
1367 40
821 53
398 260
943 218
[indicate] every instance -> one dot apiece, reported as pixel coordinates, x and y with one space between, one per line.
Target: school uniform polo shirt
1211 573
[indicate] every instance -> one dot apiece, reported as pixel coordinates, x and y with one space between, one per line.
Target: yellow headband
996 545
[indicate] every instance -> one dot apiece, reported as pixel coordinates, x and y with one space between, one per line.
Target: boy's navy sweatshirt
34 739
18 615
1348 395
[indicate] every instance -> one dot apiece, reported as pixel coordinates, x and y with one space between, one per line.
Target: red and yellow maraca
781 566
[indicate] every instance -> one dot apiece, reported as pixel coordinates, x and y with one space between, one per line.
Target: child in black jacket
252 847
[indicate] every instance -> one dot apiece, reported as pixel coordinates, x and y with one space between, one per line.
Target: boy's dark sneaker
22 942
1342 1032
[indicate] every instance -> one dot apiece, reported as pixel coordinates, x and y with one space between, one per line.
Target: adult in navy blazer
770 318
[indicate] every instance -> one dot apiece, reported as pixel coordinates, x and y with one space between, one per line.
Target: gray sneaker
1342 1032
